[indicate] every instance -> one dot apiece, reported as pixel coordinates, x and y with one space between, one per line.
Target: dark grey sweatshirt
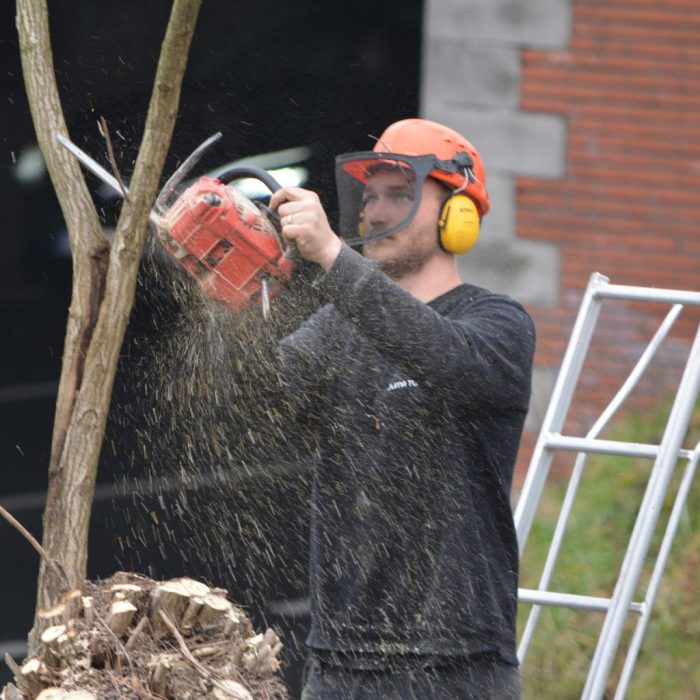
418 411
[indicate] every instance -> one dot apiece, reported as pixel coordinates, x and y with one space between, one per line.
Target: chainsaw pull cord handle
238 171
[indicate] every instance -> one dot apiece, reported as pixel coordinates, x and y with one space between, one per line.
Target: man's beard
410 262
399 268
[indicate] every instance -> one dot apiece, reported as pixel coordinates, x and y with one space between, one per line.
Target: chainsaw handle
249 171
290 250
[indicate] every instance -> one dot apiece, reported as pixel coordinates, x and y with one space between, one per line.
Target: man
416 387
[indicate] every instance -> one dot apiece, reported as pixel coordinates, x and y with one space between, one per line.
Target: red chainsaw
232 246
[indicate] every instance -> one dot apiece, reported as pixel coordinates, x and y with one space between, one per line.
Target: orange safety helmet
416 137
418 149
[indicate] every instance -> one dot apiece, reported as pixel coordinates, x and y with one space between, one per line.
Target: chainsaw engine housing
225 242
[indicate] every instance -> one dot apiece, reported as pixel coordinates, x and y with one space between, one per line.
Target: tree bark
104 280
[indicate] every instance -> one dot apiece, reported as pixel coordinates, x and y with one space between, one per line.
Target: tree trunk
104 280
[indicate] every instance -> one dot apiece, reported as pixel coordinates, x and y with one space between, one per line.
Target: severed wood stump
132 636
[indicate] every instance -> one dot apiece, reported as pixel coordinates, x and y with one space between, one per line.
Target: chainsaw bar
96 169
212 231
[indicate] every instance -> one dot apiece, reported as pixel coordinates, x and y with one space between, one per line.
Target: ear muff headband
459 224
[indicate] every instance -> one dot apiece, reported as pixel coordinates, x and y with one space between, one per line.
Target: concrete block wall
627 206
588 118
471 80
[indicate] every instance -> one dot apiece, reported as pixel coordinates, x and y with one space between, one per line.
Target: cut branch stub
230 690
32 676
232 622
10 692
213 612
57 640
50 613
60 694
55 635
71 597
128 591
121 613
193 588
260 656
88 610
159 676
191 613
174 598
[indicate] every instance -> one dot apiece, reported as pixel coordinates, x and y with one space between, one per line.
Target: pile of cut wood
132 637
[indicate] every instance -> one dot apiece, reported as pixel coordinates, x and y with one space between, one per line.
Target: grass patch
593 548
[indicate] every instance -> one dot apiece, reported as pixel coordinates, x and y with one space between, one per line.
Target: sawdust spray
206 485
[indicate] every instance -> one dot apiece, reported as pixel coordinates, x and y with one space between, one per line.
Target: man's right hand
304 223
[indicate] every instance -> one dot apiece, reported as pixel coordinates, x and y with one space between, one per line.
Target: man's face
389 196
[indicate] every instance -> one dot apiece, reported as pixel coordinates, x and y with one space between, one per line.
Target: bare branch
183 646
104 130
118 642
12 665
57 568
104 282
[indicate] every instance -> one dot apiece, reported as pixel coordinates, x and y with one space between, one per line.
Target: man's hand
304 222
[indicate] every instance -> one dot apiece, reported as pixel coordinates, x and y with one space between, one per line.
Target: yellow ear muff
459 223
361 224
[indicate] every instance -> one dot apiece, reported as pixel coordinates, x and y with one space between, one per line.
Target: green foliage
593 548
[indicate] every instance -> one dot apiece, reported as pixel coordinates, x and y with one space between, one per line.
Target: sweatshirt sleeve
275 388
307 361
483 353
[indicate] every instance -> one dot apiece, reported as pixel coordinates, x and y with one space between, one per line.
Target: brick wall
587 115
628 205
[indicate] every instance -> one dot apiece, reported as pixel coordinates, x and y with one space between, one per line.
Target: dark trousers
480 677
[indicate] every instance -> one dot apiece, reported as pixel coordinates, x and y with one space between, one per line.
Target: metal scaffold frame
666 455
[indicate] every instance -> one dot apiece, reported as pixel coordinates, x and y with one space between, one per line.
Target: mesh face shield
380 193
